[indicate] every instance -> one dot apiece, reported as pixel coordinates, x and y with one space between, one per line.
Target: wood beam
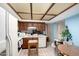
48 10
64 10
31 11
36 13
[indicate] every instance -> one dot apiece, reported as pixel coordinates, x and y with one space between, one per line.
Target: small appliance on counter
20 34
31 30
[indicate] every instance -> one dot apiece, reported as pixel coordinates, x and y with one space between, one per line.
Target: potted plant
66 34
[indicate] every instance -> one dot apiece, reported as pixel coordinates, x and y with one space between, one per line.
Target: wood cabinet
41 27
25 42
29 24
24 25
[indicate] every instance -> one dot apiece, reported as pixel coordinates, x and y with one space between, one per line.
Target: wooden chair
33 43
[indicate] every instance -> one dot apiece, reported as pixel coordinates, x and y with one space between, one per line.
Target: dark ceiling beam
13 9
64 10
31 11
36 13
48 10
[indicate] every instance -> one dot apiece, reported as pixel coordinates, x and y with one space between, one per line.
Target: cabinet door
35 25
43 27
19 26
25 43
42 41
22 26
30 24
38 27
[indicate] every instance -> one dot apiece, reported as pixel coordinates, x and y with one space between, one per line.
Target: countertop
30 36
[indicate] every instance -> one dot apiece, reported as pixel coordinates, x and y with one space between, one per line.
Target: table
68 50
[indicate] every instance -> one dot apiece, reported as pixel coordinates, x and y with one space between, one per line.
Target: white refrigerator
12 34
9 32
2 32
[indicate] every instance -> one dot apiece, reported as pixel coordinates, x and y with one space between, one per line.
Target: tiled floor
49 51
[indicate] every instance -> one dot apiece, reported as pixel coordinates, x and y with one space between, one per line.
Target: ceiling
40 11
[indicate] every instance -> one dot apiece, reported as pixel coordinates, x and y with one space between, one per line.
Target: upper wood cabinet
24 25
29 24
39 26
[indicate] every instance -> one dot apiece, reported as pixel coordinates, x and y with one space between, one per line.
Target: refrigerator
9 32
2 32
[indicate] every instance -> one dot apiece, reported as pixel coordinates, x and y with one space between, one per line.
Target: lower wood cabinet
41 42
25 42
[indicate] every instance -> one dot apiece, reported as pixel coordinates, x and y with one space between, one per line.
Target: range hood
31 28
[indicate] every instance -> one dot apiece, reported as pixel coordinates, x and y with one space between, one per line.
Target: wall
53 31
73 25
48 31
56 29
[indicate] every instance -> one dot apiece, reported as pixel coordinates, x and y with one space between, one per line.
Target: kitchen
28 30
